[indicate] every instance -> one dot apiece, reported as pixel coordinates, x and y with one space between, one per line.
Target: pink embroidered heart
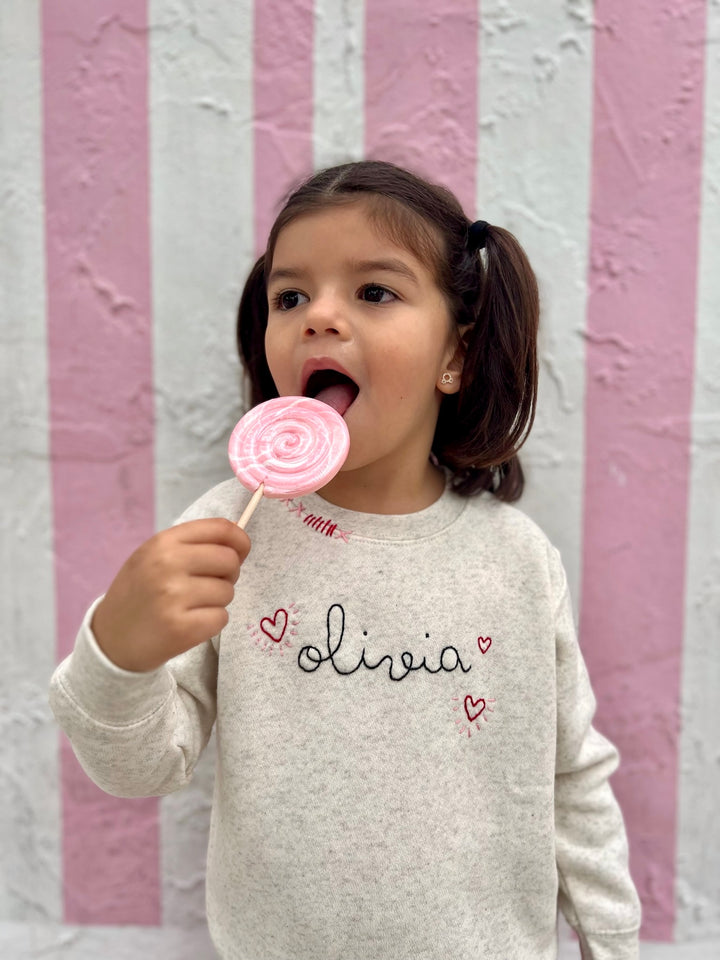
484 644
473 708
275 628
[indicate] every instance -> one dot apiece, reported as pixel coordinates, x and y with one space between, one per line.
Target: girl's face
343 297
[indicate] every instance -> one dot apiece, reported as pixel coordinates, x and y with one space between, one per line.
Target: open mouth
332 387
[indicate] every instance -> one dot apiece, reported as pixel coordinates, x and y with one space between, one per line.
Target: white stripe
698 850
700 950
202 201
338 82
201 62
51 941
30 871
535 118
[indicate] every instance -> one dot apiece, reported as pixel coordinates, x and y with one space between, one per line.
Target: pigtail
251 325
490 418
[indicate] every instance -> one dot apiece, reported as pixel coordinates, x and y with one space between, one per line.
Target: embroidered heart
484 644
275 628
473 708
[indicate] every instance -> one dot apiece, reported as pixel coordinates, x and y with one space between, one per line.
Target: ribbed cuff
611 946
108 693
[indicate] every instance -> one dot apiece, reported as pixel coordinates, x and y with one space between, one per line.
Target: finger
208 592
215 530
204 623
212 560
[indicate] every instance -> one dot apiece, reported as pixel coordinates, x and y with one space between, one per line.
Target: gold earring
447 378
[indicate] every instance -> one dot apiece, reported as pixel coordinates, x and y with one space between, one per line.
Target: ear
449 377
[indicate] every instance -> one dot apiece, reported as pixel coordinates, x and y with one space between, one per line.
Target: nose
325 315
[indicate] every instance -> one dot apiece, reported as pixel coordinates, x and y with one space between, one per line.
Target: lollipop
287 447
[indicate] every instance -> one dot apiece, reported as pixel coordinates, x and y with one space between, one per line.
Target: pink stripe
283 98
95 77
421 65
640 346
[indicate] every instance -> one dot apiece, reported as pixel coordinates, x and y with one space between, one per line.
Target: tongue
339 396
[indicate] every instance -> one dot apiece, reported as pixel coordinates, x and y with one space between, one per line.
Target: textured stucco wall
139 174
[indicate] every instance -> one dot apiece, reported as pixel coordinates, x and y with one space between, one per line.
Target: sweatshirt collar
319 514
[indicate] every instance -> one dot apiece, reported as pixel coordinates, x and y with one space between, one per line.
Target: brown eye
286 300
373 293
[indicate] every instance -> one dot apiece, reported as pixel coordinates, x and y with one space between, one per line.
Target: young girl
406 762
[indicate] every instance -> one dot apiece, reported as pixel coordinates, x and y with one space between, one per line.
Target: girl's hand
171 594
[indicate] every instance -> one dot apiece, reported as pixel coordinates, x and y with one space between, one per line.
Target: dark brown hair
493 293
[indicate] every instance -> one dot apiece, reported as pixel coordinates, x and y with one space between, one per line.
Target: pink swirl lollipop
287 447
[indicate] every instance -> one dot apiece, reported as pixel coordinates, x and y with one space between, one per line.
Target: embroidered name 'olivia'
310 657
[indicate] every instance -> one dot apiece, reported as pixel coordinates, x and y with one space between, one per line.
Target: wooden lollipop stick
251 507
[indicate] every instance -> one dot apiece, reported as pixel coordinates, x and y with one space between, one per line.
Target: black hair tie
477 235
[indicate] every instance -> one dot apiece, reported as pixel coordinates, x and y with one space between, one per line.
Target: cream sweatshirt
407 768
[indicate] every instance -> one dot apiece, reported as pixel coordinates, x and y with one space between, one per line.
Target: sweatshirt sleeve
141 734
135 734
596 894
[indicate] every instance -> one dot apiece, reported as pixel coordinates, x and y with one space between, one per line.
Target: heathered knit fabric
406 764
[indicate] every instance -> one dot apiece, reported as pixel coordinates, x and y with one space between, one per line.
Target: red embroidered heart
275 628
473 708
484 644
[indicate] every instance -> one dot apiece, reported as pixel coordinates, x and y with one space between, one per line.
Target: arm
135 734
137 695
597 895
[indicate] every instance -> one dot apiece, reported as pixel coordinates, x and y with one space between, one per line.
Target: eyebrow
391 265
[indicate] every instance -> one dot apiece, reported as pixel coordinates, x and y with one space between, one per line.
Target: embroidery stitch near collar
316 522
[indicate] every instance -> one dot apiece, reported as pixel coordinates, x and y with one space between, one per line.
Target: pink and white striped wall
145 146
